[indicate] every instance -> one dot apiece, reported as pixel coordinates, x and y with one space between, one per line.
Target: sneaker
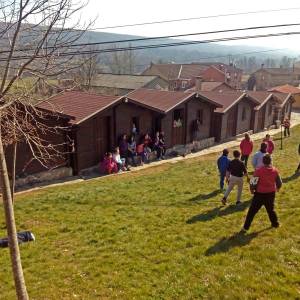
238 202
224 201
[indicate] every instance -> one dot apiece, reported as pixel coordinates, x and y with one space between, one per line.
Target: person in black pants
269 182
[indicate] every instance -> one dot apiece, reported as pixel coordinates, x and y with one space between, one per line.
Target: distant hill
213 52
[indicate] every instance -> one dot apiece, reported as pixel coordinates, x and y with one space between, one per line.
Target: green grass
160 233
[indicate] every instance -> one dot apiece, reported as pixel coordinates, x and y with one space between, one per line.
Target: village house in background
266 78
288 89
122 84
182 77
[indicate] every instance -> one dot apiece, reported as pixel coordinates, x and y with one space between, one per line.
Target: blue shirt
223 163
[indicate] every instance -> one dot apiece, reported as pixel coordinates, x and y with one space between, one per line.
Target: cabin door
261 118
102 137
231 122
178 127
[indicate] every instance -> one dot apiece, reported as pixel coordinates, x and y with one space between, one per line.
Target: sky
119 12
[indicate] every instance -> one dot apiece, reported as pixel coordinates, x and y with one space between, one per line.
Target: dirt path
295 120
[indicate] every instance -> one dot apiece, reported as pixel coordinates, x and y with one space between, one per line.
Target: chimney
199 80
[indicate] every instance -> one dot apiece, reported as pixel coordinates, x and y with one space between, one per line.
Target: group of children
129 148
264 183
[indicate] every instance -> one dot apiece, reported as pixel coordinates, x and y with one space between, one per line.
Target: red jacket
271 146
269 179
246 147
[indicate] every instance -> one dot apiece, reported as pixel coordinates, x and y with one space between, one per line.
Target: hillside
188 53
160 233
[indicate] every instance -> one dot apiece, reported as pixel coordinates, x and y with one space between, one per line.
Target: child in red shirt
246 147
270 143
109 165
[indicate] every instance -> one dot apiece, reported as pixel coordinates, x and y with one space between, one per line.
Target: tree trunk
13 172
11 228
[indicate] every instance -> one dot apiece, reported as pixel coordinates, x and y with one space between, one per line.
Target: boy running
235 172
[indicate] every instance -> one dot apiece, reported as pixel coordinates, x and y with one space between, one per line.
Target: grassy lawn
158 234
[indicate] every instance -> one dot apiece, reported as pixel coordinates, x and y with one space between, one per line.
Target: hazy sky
118 12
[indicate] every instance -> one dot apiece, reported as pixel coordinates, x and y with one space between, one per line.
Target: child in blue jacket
223 162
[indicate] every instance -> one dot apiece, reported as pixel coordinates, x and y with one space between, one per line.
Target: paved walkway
295 120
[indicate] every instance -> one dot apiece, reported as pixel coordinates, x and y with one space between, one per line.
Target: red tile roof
161 101
287 89
261 96
79 105
227 99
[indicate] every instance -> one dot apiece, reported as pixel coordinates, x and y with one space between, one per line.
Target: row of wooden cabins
96 121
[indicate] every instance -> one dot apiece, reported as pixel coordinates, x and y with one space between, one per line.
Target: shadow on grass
236 240
291 178
218 212
206 196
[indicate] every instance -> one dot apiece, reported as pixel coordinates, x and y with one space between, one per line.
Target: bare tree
36 38
90 67
123 62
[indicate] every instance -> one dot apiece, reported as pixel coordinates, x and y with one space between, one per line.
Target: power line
141 47
198 18
160 37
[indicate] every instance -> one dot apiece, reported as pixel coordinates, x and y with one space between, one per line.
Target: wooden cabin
27 153
92 126
236 115
265 111
284 107
174 113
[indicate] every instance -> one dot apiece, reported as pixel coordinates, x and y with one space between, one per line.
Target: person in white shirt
257 160
119 161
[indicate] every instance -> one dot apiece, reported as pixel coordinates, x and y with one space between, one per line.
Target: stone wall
49 175
191 147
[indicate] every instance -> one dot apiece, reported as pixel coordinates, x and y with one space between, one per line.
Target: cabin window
175 84
183 84
200 116
178 118
244 114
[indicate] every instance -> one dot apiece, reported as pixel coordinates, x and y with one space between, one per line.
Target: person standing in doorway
257 160
223 163
271 146
246 147
286 125
235 172
269 182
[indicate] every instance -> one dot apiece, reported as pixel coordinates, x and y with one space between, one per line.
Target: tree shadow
218 212
291 178
236 240
206 196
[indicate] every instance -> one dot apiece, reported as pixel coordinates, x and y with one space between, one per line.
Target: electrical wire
198 18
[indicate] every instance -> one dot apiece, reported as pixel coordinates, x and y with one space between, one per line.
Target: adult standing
257 160
235 172
287 126
246 147
271 146
269 182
